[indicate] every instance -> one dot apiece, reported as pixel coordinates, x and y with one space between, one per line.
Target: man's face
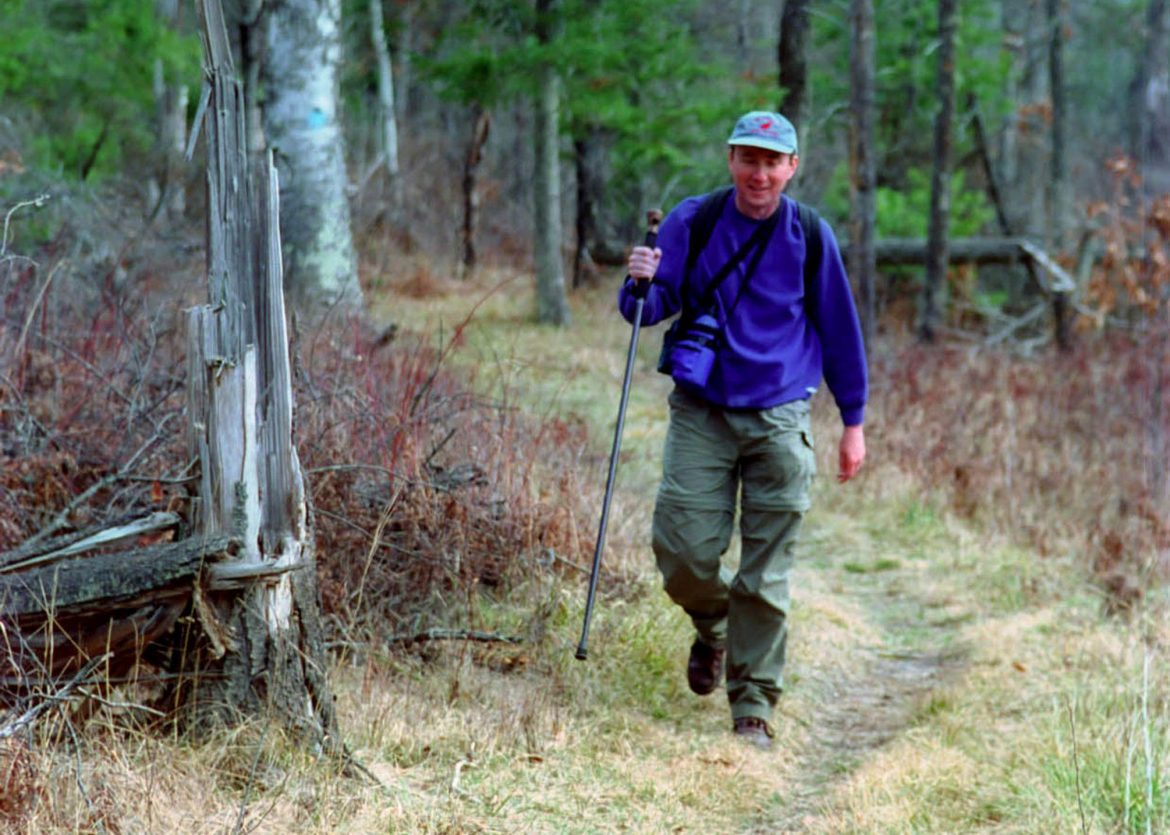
760 176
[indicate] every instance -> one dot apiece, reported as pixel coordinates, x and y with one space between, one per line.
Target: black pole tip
582 653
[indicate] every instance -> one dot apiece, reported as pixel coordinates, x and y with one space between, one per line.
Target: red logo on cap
766 124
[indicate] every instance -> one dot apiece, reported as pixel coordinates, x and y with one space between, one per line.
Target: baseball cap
762 129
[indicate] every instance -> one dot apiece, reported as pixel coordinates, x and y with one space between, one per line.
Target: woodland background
507 150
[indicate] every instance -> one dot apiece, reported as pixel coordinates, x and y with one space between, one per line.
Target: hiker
766 312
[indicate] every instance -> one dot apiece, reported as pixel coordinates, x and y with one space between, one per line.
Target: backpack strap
810 222
703 225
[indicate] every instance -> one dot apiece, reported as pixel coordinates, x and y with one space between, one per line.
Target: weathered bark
594 245
302 60
481 125
552 305
1011 16
1144 141
61 609
1058 190
404 48
793 67
388 117
940 183
170 101
245 27
862 169
264 646
913 251
1057 289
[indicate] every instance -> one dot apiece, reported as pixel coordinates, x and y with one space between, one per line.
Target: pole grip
653 220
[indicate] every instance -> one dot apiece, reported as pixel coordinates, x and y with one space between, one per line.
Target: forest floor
941 678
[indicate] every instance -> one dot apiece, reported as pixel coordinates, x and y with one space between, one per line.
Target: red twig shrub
427 490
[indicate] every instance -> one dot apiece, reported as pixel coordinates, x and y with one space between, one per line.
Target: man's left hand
851 454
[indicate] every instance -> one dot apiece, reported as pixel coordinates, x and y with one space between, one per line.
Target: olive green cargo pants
711 455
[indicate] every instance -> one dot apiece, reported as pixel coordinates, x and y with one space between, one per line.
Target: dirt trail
869 704
860 713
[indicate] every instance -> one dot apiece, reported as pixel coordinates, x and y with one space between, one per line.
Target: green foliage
638 77
906 44
905 212
82 73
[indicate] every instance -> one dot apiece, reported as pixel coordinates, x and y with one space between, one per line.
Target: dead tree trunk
862 168
940 187
1058 181
170 101
259 609
471 162
794 26
552 303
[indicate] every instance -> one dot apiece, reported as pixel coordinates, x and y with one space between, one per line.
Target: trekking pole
653 218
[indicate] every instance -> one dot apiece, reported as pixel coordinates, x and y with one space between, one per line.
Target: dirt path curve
865 707
861 713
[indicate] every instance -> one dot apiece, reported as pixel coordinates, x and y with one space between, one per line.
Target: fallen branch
20 559
31 714
1016 323
453 635
62 518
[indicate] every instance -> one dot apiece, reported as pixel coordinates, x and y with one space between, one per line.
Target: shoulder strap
703 224
810 222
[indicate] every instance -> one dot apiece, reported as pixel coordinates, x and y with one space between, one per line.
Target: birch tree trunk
793 67
300 75
863 172
259 610
552 305
940 185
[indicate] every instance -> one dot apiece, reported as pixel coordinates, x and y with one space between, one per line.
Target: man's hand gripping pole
653 218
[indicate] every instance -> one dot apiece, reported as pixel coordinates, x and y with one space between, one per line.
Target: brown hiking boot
705 667
755 730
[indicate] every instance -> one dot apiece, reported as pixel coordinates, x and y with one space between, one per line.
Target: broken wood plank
149 524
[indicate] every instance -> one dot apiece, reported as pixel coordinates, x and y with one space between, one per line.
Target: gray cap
761 129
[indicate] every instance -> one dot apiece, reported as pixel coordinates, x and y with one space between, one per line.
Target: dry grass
1048 717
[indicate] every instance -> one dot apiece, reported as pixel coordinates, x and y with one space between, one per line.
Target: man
745 432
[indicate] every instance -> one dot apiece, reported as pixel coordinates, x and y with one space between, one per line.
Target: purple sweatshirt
775 348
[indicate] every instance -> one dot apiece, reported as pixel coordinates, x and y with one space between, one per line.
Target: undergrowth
441 502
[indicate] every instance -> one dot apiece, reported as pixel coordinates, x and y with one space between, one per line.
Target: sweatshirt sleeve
837 324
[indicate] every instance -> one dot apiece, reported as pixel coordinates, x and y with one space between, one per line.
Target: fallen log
59 611
1004 250
107 579
894 251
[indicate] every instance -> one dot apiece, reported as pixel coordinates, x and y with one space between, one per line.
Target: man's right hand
643 262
